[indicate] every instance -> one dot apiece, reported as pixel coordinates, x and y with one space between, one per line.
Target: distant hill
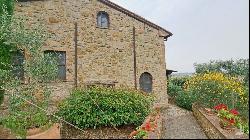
181 74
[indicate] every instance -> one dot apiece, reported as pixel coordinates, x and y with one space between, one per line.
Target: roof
168 72
129 13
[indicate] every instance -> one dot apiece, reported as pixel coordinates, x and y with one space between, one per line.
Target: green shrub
185 100
1 96
243 107
173 90
21 121
179 81
175 85
95 107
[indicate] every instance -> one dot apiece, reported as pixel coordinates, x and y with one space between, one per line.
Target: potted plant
228 118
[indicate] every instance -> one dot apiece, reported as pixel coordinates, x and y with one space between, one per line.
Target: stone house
100 42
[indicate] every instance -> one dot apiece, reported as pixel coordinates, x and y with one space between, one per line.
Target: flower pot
52 133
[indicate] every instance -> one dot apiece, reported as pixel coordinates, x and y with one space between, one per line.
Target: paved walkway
179 123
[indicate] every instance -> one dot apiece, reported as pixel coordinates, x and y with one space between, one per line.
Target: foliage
39 69
214 88
95 107
8 5
19 123
175 85
238 67
173 89
243 108
179 81
141 134
186 99
1 96
231 118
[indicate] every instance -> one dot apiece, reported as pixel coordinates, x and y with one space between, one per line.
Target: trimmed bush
95 107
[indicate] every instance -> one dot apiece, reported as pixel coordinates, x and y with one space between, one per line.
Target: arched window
102 20
146 82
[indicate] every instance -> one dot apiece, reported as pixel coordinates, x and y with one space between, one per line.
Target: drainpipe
134 52
76 62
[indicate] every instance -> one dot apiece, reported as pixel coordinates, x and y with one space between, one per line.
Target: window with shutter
61 59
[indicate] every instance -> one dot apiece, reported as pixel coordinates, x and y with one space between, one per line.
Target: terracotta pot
52 133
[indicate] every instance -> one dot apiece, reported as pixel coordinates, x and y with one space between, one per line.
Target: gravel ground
179 123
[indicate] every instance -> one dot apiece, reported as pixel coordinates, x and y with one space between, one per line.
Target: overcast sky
203 30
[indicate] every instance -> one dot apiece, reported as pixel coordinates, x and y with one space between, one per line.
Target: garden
221 88
25 99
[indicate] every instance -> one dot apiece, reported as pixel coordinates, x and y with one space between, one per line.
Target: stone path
179 123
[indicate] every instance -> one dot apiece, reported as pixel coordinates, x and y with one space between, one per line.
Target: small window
102 20
61 59
146 82
17 61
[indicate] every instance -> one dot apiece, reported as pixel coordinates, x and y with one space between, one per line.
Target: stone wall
103 54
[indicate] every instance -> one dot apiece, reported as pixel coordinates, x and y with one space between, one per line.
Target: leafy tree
231 67
40 69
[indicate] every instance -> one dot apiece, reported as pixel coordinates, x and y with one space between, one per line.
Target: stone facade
104 55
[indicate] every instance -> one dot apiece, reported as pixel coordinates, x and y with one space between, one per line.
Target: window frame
64 65
18 68
106 16
142 82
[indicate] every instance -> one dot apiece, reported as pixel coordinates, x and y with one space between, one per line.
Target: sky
203 30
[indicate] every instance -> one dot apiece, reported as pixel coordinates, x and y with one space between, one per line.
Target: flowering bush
186 99
150 125
220 107
231 118
227 117
213 88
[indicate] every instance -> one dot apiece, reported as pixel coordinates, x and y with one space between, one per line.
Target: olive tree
39 70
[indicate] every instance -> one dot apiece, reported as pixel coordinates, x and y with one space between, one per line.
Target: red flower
220 107
147 126
232 121
229 121
234 111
